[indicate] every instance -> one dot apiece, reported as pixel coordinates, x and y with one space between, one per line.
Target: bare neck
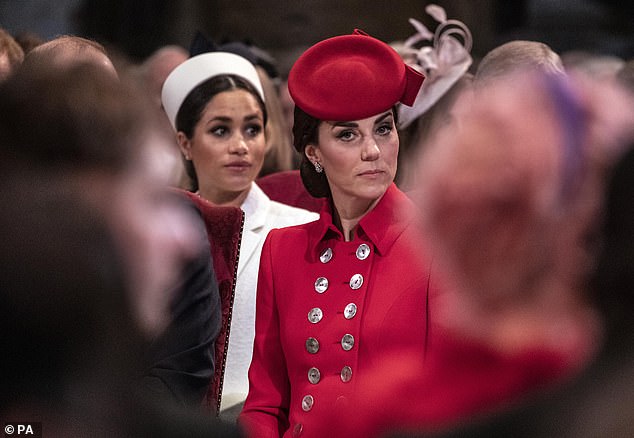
234 199
347 214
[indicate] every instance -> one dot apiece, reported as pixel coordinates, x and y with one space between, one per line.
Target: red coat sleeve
265 412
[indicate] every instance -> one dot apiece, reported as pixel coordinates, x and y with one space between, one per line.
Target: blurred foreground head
510 200
79 124
65 298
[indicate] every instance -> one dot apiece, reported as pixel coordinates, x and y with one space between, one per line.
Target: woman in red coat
338 294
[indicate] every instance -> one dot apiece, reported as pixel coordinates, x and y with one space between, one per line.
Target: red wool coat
328 310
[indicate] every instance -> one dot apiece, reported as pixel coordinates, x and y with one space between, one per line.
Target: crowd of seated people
169 238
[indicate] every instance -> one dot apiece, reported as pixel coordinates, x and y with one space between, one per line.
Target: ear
184 144
312 153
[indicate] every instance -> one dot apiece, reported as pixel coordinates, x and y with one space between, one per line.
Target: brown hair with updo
305 132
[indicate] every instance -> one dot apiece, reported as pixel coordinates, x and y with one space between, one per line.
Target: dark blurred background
285 28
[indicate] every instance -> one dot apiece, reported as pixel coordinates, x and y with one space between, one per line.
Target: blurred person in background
517 56
599 402
152 73
11 54
28 40
444 58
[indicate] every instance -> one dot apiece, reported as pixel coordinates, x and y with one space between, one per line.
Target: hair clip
443 62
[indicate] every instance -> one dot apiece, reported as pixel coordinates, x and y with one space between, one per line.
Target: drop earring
318 168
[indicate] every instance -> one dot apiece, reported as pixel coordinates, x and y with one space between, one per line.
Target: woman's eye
219 131
384 129
345 135
254 130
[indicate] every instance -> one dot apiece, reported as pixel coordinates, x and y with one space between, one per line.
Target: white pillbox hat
196 70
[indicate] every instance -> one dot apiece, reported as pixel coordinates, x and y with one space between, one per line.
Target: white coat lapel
256 208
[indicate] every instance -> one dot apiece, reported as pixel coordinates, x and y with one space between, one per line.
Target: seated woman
358 284
215 103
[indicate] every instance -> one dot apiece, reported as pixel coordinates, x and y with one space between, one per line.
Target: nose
370 150
238 145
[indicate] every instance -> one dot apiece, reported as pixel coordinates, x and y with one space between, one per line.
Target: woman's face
358 157
227 147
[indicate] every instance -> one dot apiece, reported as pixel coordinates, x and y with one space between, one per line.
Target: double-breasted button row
362 253
316 314
347 342
321 284
314 375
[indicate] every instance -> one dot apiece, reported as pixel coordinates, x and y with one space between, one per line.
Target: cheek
204 148
390 150
257 148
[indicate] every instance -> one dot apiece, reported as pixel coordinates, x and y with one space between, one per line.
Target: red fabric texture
287 187
459 379
224 230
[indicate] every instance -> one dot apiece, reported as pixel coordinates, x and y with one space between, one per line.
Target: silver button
321 284
307 403
312 345
314 376
297 430
356 281
363 251
346 374
326 255
315 315
347 342
350 311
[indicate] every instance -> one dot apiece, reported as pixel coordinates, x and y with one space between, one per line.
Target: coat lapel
256 212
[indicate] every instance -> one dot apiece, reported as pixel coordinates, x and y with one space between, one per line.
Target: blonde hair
13 51
280 153
515 56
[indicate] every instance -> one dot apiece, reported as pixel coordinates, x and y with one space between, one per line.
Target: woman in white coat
215 103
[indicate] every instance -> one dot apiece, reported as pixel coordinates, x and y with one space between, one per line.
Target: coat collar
256 209
382 225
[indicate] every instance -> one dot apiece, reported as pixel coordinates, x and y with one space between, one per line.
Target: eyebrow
379 119
226 119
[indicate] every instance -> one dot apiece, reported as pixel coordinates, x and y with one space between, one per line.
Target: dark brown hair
305 132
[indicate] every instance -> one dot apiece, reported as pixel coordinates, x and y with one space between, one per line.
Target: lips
371 172
238 165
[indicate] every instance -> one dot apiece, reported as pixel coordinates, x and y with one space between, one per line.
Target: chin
372 191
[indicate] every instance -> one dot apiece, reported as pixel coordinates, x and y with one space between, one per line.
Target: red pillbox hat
351 77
